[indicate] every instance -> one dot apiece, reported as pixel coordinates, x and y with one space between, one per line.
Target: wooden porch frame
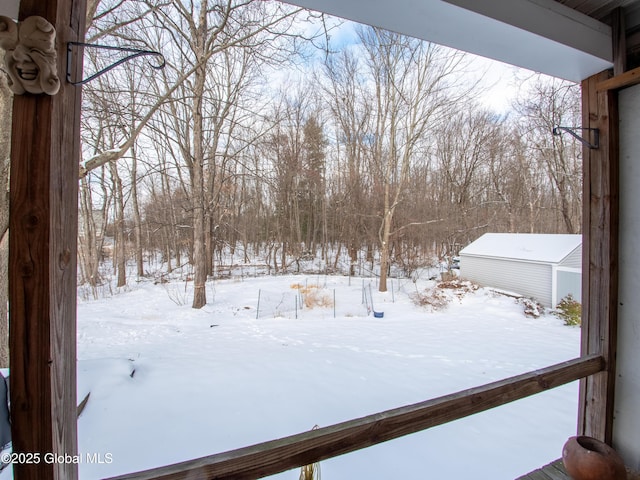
45 153
43 231
600 256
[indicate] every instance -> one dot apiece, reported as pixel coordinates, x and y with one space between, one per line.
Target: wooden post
619 37
45 152
600 257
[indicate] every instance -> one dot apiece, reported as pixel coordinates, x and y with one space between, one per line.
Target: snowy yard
169 383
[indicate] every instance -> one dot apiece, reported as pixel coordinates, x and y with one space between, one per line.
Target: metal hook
571 131
134 53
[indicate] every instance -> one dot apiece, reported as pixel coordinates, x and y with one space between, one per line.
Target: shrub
569 310
531 307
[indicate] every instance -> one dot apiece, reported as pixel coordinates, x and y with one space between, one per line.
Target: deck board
558 469
553 471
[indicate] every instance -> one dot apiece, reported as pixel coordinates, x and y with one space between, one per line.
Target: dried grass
314 296
310 472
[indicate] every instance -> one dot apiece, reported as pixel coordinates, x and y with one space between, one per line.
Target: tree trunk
199 252
89 258
197 178
209 242
170 229
120 248
384 240
137 220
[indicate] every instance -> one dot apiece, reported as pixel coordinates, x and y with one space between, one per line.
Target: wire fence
272 304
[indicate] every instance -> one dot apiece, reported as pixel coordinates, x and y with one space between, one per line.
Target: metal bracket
133 53
571 131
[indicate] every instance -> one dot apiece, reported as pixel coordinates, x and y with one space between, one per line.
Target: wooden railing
276 456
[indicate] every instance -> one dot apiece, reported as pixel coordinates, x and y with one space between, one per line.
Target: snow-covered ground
169 383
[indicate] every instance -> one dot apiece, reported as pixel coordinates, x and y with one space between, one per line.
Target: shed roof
534 247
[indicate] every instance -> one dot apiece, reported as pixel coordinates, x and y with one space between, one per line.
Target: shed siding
569 282
525 278
573 260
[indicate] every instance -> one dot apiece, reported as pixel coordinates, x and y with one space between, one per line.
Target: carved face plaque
30 57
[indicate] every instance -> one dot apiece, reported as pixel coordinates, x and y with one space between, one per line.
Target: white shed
545 267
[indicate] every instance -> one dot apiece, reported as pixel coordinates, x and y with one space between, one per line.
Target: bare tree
465 147
108 116
517 184
351 105
93 214
414 166
552 102
223 43
294 147
111 18
413 90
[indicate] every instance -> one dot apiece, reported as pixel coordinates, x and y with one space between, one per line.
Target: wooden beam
600 257
269 458
624 80
45 152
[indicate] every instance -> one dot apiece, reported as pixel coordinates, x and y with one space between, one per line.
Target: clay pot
586 458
